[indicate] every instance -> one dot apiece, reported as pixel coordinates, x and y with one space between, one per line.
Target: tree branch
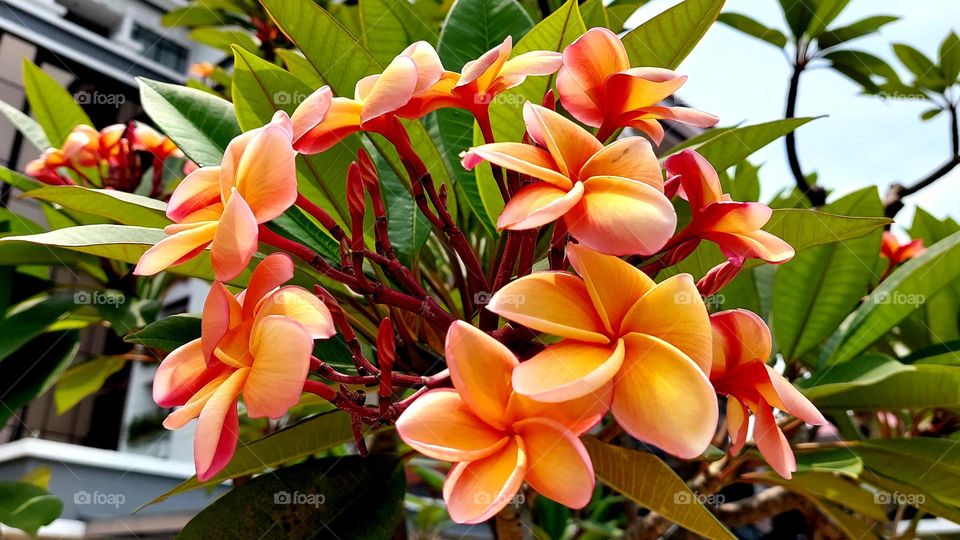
815 194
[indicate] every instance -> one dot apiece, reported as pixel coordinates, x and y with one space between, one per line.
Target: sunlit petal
281 349
599 272
439 424
480 369
578 415
631 158
266 175
558 465
221 312
393 89
299 305
568 370
235 241
475 491
522 158
772 443
537 205
175 249
569 144
274 270
199 189
217 428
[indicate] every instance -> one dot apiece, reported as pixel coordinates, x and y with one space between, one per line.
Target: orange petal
217 428
298 304
684 115
533 63
617 216
199 189
181 375
576 100
651 128
569 144
194 406
438 96
614 285
674 312
485 68
176 248
755 245
553 302
235 241
281 349
342 119
631 158
639 88
789 400
587 63
737 424
390 90
558 465
567 370
701 185
440 425
663 398
475 491
427 62
221 312
578 415
266 175
523 158
538 204
311 111
274 270
772 443
480 368
742 336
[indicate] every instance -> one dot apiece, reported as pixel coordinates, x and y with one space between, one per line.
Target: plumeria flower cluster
590 334
110 158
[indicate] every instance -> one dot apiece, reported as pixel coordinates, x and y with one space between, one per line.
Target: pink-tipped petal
569 144
182 374
429 68
631 158
599 271
221 312
199 189
701 185
480 369
558 465
440 425
281 349
522 158
533 63
266 174
392 89
274 270
341 120
587 64
568 370
235 241
175 248
742 336
311 111
537 205
217 428
300 305
475 491
772 443
791 401
737 424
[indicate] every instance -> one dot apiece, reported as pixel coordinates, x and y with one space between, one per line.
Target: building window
160 49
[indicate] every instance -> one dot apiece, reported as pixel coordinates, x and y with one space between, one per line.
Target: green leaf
27 507
826 12
931 464
863 27
55 109
119 206
389 26
734 145
408 228
34 368
803 228
863 371
201 124
918 497
833 460
193 15
19 181
168 333
297 224
900 294
31 319
824 485
26 125
798 14
224 39
817 289
666 39
336 497
651 483
83 380
753 28
930 114
950 58
307 437
914 387
922 67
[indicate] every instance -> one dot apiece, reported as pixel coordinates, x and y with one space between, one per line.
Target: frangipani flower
650 342
734 226
610 198
223 206
498 438
257 344
599 88
322 120
148 139
201 69
897 253
741 348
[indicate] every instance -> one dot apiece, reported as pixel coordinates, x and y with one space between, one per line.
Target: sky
864 140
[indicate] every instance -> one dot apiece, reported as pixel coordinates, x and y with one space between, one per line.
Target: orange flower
734 226
148 139
610 198
897 253
257 344
599 88
322 120
649 341
497 437
223 206
741 348
201 69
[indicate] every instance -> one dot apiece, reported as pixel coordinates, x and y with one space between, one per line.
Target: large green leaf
337 497
83 380
901 293
754 28
799 14
32 320
119 206
863 371
168 333
914 495
819 287
224 39
950 57
827 11
863 27
389 26
26 125
931 464
201 124
666 39
34 368
55 109
733 145
824 485
19 181
27 507
305 438
910 387
651 483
